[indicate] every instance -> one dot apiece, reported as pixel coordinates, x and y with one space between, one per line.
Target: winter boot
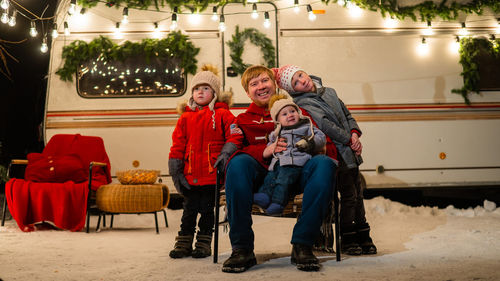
202 246
349 244
262 200
303 258
183 246
365 241
239 261
274 209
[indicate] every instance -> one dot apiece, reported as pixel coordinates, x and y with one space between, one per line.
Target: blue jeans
243 177
279 181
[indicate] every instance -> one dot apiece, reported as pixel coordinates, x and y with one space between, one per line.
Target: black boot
183 246
303 258
365 241
350 244
202 246
240 260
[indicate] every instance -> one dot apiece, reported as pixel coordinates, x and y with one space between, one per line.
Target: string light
296 7
341 2
498 26
255 15
390 22
44 48
354 10
463 31
5 16
5 4
267 23
72 7
455 45
12 20
195 17
125 15
428 31
312 16
173 25
66 28
33 31
423 48
54 32
156 31
214 14
222 24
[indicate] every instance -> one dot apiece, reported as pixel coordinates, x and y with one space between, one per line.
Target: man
247 169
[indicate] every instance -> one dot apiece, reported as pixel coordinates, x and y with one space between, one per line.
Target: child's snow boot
365 241
202 246
262 200
349 244
274 209
183 246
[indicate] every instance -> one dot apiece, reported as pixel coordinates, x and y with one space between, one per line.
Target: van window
133 77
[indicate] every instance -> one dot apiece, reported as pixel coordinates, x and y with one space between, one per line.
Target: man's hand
275 147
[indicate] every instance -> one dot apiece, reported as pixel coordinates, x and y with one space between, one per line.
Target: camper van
416 132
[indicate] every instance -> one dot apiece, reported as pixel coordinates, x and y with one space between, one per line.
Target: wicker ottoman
132 199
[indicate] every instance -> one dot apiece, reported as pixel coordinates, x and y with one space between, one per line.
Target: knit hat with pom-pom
277 103
283 76
209 76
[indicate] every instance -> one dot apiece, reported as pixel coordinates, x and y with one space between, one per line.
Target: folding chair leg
98 223
103 220
217 211
165 216
112 218
4 209
337 223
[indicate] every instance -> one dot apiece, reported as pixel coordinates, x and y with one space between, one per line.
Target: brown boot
183 246
304 259
202 246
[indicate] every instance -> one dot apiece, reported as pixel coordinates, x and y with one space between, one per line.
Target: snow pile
487 208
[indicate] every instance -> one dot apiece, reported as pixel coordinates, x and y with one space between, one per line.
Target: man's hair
253 72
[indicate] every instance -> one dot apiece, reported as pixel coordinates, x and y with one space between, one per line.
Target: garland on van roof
176 45
426 10
192 5
470 49
256 37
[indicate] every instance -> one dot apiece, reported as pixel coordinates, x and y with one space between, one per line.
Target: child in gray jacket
302 139
335 120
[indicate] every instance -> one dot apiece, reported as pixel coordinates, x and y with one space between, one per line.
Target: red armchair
58 182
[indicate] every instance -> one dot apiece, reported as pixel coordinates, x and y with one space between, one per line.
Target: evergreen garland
257 38
427 10
192 5
176 45
470 48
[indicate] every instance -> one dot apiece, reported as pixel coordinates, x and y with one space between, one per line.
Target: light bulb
5 16
463 31
390 22
267 23
255 15
296 7
66 28
341 2
54 33
125 15
428 31
72 7
156 31
222 24
311 16
455 45
44 48
214 14
12 20
173 25
354 10
195 18
423 48
5 4
33 31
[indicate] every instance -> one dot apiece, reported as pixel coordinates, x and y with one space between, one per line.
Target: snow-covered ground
414 243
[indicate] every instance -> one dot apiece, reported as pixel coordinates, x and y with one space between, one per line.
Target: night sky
22 99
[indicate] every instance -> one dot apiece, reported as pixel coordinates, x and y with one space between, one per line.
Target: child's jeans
278 182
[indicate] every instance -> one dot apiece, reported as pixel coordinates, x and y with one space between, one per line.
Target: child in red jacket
205 137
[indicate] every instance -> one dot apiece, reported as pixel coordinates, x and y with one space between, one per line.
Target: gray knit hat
277 103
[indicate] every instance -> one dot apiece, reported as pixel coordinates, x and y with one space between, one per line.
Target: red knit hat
283 76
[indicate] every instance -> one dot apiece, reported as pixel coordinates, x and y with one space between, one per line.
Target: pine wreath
257 38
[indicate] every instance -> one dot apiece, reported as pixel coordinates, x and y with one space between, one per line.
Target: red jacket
196 141
256 124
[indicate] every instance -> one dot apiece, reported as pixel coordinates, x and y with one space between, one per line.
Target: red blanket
64 204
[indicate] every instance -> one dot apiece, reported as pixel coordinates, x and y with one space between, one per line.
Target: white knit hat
284 75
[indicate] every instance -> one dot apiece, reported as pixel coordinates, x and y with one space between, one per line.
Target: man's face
288 116
260 89
302 83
